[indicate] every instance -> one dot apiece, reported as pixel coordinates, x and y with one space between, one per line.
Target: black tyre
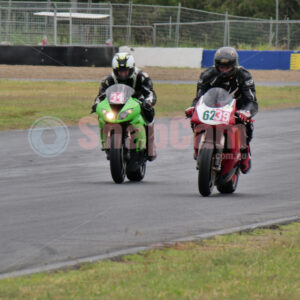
117 162
206 175
230 186
139 174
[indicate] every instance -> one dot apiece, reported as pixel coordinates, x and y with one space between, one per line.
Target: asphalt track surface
64 208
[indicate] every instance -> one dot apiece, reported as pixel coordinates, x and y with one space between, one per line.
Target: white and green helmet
123 61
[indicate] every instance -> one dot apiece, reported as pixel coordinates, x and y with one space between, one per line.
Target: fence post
228 32
27 21
47 22
177 25
288 33
8 21
154 35
276 39
170 28
128 39
0 25
55 25
111 24
225 29
70 27
89 6
271 32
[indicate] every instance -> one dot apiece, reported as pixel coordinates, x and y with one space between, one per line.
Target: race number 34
117 98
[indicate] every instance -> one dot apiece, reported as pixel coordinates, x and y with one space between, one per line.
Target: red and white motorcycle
219 138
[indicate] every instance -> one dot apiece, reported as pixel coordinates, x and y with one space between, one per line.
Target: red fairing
232 158
195 118
232 116
233 131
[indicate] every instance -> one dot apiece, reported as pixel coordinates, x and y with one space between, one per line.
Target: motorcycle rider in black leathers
125 72
227 74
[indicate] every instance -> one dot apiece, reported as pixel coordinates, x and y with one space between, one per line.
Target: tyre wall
57 55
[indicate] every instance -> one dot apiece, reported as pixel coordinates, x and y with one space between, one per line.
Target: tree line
264 9
249 8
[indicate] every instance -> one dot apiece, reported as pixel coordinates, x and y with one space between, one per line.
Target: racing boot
246 160
151 155
195 154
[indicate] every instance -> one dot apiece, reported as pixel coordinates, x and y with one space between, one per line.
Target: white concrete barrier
165 57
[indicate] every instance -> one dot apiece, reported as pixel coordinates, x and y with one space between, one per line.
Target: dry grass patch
22 102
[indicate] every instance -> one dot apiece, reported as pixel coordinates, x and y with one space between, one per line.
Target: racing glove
94 107
244 115
189 111
147 104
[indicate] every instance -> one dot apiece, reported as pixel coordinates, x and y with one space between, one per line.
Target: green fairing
134 118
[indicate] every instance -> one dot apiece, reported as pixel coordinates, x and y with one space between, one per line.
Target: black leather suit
139 81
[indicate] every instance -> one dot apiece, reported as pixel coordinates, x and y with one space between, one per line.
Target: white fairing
212 115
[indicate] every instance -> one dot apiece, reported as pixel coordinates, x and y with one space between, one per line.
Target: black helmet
227 57
123 61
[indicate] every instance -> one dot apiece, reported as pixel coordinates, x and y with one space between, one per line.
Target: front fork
210 137
133 136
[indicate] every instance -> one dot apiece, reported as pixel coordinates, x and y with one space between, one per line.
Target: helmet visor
224 68
123 73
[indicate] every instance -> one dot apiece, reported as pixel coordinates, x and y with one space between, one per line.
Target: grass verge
262 264
22 102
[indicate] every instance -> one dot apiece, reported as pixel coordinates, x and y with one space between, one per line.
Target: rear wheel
138 174
206 174
230 186
117 162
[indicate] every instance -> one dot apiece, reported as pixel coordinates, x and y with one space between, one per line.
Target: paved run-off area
93 73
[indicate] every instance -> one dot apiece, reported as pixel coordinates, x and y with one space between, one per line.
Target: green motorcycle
123 133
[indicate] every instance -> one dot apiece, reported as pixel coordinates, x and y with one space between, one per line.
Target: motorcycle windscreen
215 107
119 93
217 97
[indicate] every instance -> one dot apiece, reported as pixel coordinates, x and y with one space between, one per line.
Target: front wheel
206 175
117 162
230 186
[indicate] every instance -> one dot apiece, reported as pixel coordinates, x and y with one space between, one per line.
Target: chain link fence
140 25
242 34
46 23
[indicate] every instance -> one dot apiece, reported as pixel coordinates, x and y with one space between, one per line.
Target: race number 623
216 115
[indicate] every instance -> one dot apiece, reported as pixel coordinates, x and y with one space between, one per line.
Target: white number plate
214 116
117 98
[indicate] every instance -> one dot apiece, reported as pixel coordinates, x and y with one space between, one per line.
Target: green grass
262 264
22 102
